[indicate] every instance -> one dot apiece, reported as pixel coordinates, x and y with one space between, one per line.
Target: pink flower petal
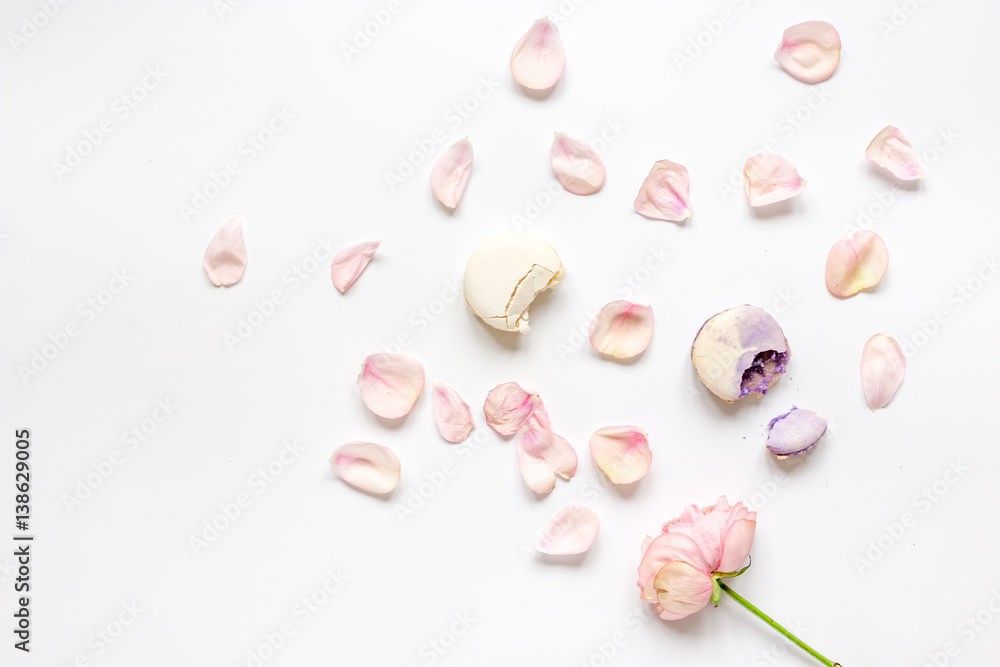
809 51
736 545
538 59
390 384
681 590
883 366
349 262
226 256
664 195
856 263
660 551
542 455
451 414
577 166
621 452
890 150
508 407
769 178
366 466
450 173
572 530
622 329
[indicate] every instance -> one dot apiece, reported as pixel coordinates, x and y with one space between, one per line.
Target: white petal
390 384
538 59
883 366
809 51
349 262
450 173
577 166
892 151
226 256
451 414
572 530
621 452
769 178
366 466
622 329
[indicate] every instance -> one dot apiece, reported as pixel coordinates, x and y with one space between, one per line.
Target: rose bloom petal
390 384
681 590
366 466
451 414
450 173
577 166
621 452
665 194
794 432
883 366
769 179
538 59
891 150
542 455
622 329
660 551
349 262
809 51
226 256
508 406
856 263
572 530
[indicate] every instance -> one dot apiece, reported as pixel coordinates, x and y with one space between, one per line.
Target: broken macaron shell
794 432
739 352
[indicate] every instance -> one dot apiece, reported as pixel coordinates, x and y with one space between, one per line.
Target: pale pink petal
736 545
450 173
664 195
809 51
542 455
621 452
451 414
538 59
226 256
660 551
883 366
366 466
891 150
856 263
622 329
508 406
572 530
577 166
769 178
349 262
390 384
681 590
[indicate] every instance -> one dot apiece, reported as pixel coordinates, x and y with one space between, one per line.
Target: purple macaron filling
766 367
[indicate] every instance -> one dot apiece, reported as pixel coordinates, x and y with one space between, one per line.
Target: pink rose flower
681 567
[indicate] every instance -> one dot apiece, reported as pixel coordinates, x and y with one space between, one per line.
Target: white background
463 550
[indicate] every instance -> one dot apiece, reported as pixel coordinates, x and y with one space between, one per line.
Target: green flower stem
774 624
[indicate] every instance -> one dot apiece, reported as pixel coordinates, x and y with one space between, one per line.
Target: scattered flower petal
809 51
572 530
856 263
883 366
538 59
349 262
366 466
226 256
505 273
769 179
390 384
508 407
577 166
622 329
451 414
621 452
794 432
740 351
542 454
450 173
891 150
665 194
